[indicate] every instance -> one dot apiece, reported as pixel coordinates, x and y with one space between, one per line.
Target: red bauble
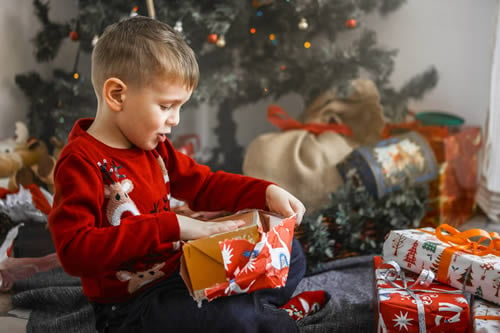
351 23
212 38
260 3
74 36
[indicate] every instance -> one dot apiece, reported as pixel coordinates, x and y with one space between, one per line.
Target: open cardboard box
202 263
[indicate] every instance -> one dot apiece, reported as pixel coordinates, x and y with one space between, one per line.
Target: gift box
390 163
411 303
467 260
256 256
485 316
452 194
452 199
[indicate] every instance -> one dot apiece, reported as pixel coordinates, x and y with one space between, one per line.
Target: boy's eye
165 107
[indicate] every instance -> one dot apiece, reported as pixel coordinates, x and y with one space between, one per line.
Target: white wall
18 26
457 36
454 35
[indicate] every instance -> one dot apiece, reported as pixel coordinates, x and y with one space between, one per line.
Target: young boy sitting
111 220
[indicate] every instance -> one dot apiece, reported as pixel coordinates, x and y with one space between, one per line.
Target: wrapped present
414 303
256 256
485 316
466 260
451 198
188 144
390 163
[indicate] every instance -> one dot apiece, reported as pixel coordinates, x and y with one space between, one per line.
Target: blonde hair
139 49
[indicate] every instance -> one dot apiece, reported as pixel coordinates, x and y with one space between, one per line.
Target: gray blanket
58 305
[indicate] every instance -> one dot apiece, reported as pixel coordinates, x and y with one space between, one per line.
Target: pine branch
355 223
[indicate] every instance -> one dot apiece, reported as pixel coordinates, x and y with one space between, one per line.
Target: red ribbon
279 118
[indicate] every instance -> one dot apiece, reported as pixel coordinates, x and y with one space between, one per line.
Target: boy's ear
113 92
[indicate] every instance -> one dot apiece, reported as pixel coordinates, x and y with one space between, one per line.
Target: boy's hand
284 203
193 229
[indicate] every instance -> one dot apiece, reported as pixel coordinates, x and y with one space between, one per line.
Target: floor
14 320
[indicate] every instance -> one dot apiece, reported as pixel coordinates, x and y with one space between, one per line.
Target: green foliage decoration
355 223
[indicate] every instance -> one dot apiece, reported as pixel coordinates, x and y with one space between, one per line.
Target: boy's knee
298 258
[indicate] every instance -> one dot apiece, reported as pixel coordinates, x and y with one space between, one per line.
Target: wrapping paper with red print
415 249
452 197
397 309
485 316
251 267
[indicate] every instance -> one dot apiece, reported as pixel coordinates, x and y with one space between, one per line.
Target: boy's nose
173 118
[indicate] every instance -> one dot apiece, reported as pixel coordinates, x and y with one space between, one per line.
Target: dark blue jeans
168 307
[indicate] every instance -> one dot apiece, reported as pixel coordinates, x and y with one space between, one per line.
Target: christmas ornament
74 36
212 38
221 42
134 11
178 26
260 3
351 23
307 45
303 25
253 31
95 40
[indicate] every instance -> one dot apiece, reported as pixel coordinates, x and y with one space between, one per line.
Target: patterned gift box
465 260
485 316
253 257
451 198
388 164
419 307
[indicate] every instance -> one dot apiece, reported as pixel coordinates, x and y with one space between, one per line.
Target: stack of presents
434 277
438 280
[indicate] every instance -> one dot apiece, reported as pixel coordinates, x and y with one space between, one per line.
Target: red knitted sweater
111 221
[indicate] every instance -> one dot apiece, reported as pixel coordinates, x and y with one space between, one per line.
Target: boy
111 221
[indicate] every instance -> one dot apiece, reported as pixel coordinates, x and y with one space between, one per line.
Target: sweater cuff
169 227
262 188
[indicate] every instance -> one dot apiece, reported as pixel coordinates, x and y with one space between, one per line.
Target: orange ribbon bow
474 241
279 118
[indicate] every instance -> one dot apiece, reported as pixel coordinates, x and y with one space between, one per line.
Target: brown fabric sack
303 157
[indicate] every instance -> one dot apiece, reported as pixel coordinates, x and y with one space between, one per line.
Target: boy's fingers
233 224
239 223
299 209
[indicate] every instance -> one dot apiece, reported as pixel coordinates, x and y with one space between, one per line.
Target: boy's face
150 112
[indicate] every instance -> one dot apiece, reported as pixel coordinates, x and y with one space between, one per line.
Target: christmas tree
466 277
411 255
435 264
248 50
479 292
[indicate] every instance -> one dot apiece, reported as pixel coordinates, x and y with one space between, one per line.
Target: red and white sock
306 303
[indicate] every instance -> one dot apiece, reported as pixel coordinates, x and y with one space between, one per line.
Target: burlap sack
302 158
